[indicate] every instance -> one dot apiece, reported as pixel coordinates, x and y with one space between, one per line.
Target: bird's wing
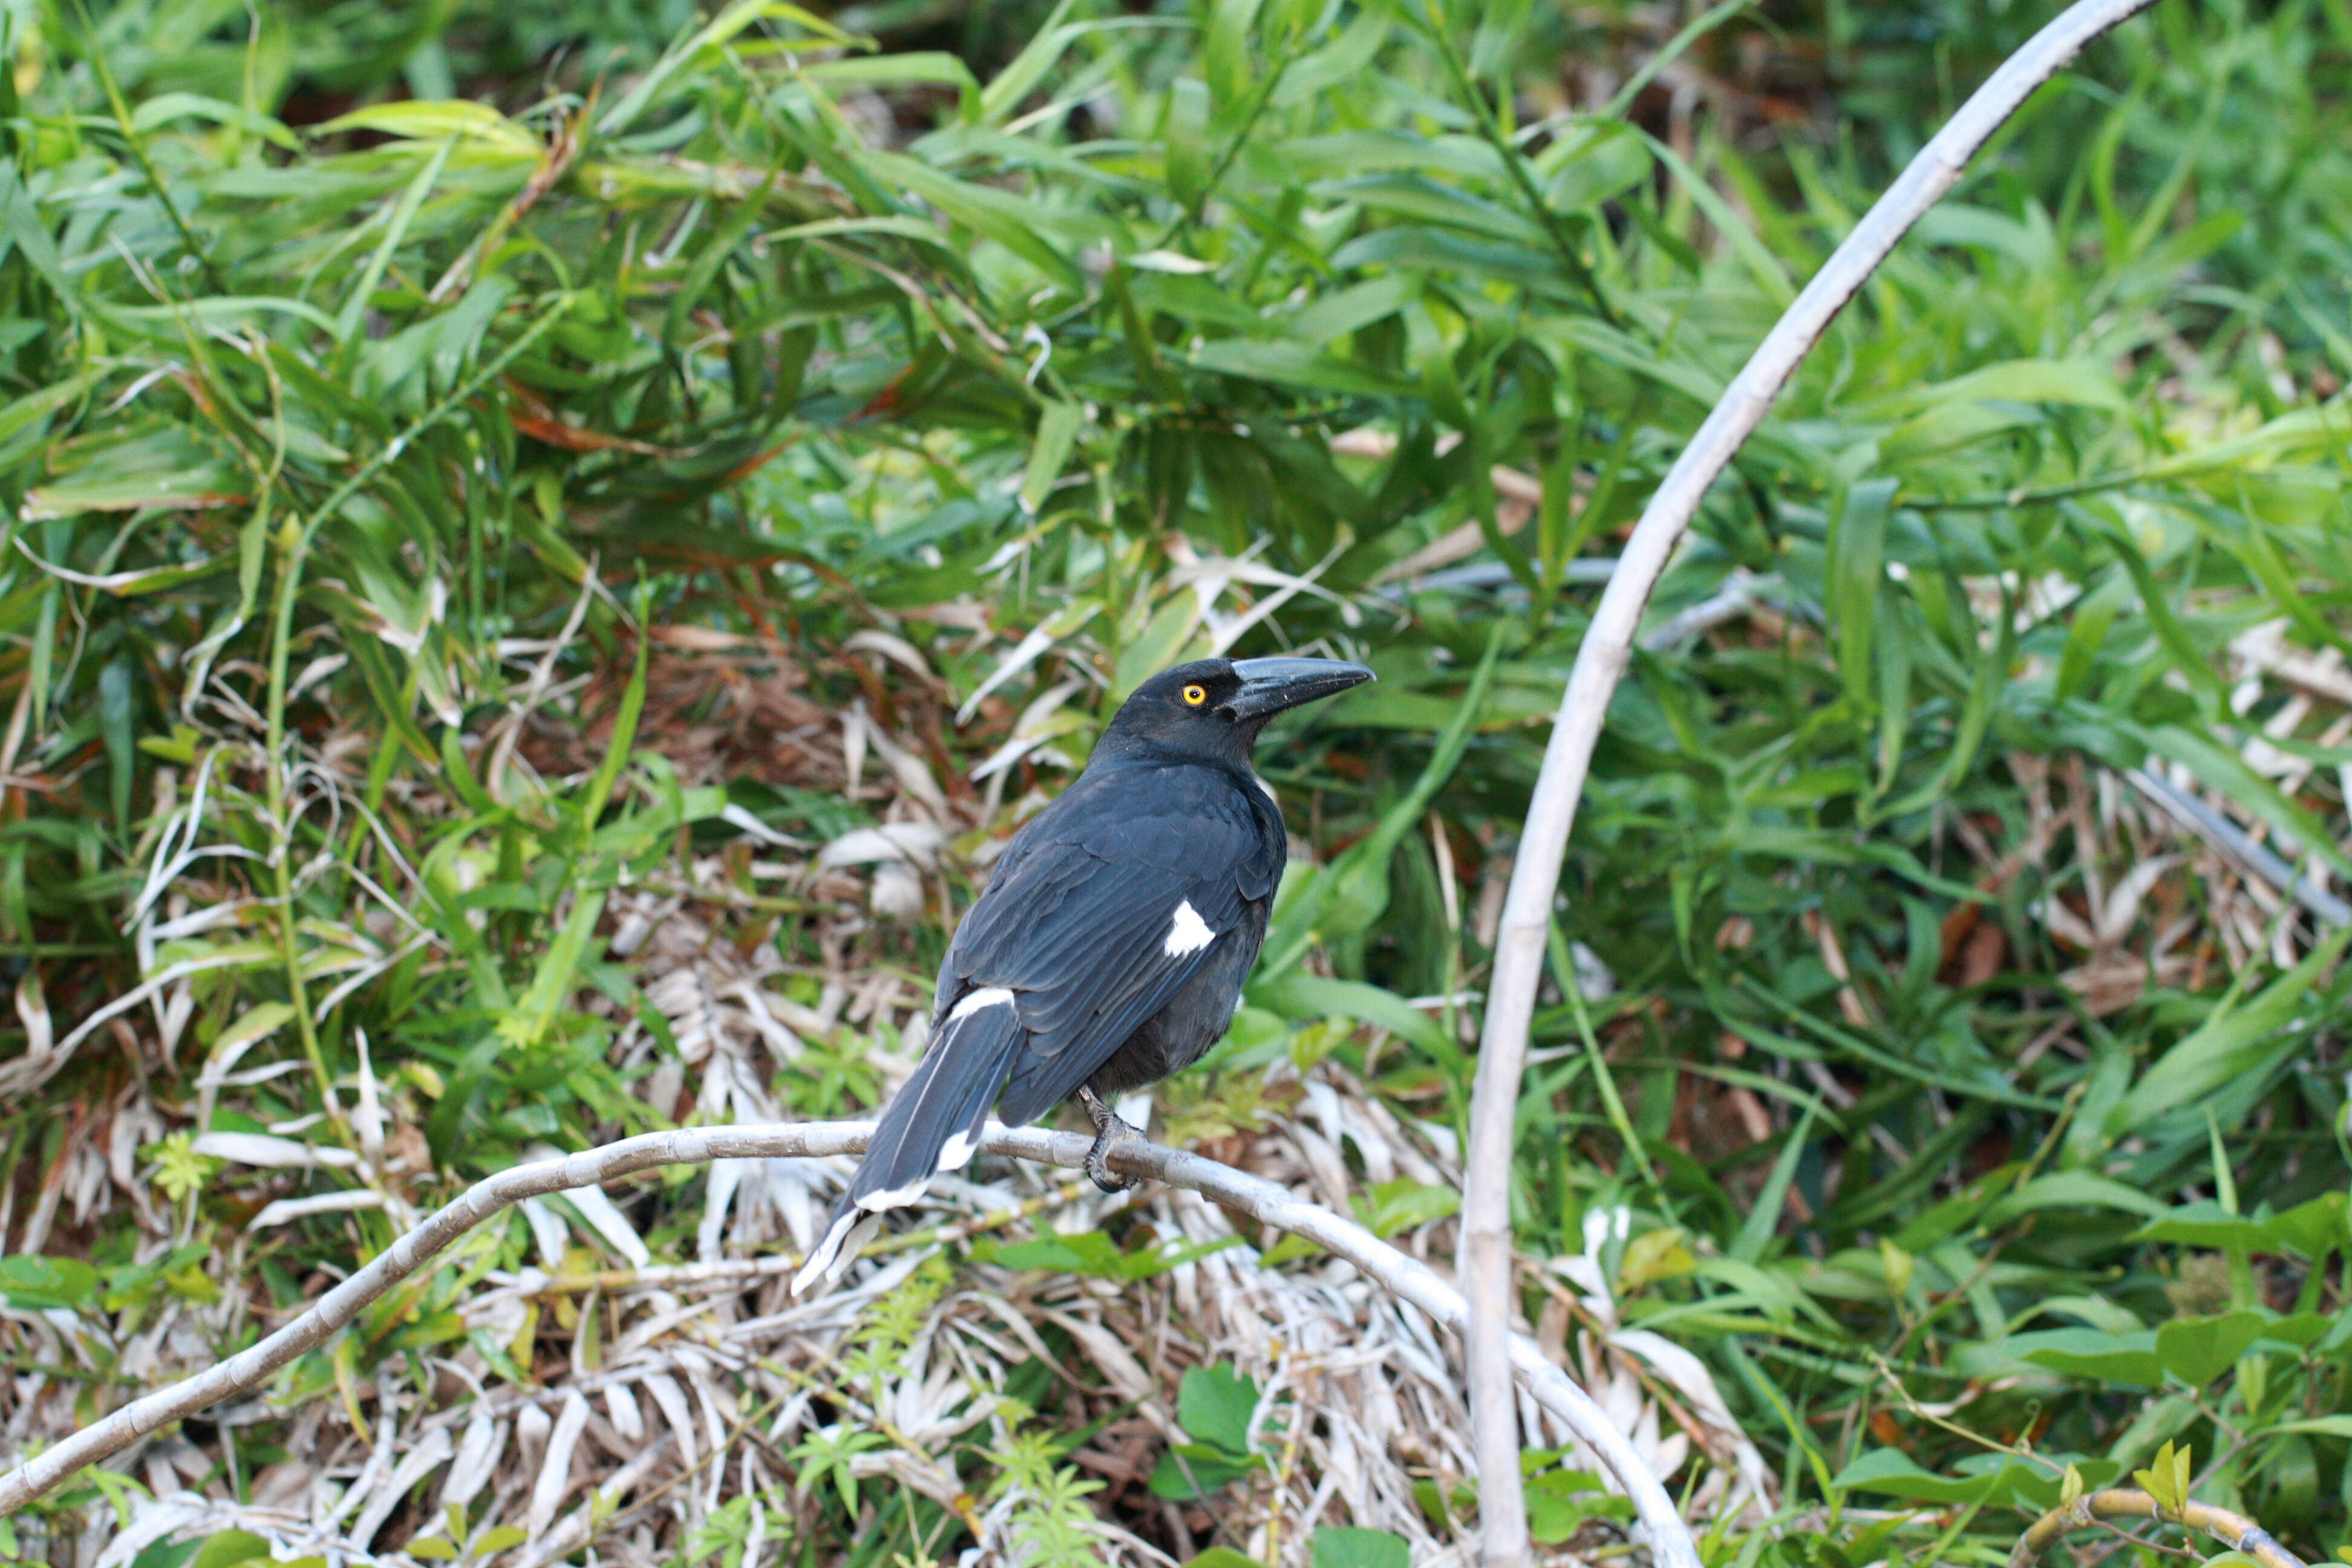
1111 906
1103 907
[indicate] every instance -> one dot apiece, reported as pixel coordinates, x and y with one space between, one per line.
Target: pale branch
1520 944
2233 1531
2239 845
1404 1276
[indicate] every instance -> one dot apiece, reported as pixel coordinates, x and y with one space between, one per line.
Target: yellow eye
1195 695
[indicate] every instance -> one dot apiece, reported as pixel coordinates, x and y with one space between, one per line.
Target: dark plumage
1109 949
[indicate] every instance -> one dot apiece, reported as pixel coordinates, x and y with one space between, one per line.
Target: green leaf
1225 52
1057 434
1215 1404
1093 1253
1353 308
2166 1478
403 212
1893 1473
1343 60
2298 1330
2199 1350
1293 364
1559 1501
2170 634
1046 45
2081 382
2221 768
1342 1546
40 1284
1086 1252
117 719
1764 267
163 108
1653 1255
915 67
2033 1487
1763 1221
625 734
2071 1189
203 483
2232 1044
21 414
1857 556
699 274
722 27
989 213
1192 1470
535 1010
21 224
2088 1352
1346 896
1416 196
1301 997
460 776
180 747
446 120
1159 644
1404 1203
256 1022
229 1548
1998 1479
2310 1230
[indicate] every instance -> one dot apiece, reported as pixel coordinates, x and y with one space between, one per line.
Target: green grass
1960 1100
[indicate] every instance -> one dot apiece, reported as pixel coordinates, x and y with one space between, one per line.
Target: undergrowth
485 483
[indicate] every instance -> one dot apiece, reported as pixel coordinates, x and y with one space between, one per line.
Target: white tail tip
830 1256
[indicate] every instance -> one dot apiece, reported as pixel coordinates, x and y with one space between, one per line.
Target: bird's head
1215 708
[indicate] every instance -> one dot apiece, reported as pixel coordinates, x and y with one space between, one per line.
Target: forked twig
2234 1531
1404 1276
1485 1245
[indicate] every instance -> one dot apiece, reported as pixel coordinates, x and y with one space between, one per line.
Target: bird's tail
932 1124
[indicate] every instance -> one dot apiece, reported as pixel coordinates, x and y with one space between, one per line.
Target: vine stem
1403 1275
2234 1531
1486 1243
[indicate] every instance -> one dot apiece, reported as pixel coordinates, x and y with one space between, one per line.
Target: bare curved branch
1407 1277
2234 1531
1486 1247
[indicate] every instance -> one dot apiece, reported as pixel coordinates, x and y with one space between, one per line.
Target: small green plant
1051 1520
180 1171
2166 1478
1216 1404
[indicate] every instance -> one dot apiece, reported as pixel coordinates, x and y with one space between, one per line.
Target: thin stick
1407 1277
1485 1245
2234 1531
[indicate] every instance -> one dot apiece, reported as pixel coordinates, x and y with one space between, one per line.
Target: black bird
1109 949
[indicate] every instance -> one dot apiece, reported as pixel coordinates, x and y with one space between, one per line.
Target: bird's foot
1108 1130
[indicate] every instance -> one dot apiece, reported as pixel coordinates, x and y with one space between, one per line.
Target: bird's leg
1108 1127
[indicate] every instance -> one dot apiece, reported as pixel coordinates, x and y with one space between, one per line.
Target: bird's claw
1108 1130
1098 1169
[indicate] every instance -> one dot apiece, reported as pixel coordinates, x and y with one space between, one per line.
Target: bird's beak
1271 685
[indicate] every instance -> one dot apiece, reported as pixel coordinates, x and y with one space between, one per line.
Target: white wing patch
1188 933
986 996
